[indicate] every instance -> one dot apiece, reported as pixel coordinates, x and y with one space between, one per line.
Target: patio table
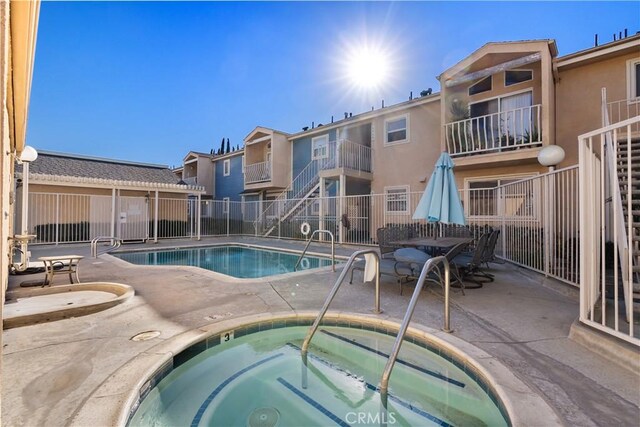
68 261
440 243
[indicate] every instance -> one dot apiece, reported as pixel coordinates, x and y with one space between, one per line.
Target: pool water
255 380
236 261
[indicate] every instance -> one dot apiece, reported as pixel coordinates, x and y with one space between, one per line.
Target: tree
228 150
221 150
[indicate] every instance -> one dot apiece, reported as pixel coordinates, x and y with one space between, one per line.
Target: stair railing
386 373
333 249
616 207
115 244
294 190
327 302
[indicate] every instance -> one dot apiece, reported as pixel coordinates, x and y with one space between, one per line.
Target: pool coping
113 402
224 277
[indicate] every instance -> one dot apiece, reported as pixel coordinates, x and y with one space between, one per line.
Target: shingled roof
72 165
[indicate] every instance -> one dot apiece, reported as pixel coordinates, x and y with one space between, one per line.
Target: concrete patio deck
522 318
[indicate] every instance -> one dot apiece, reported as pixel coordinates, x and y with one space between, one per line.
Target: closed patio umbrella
441 200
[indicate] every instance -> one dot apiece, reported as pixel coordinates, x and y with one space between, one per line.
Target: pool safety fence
537 219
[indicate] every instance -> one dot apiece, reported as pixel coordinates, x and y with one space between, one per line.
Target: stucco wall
229 186
205 174
407 163
301 151
578 101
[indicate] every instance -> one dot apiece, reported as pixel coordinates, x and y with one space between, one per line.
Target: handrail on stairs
115 244
386 374
333 249
327 302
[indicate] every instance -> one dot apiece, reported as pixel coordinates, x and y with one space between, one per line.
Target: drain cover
146 335
264 417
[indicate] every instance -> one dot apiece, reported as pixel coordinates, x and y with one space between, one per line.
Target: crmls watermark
368 418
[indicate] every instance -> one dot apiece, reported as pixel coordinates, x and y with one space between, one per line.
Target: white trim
226 167
243 165
482 79
407 190
407 138
73 181
577 57
226 201
324 137
505 95
632 84
519 83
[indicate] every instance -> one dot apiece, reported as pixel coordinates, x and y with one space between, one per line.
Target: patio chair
490 253
415 260
388 264
469 267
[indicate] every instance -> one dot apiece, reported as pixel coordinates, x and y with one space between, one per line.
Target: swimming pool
251 376
233 260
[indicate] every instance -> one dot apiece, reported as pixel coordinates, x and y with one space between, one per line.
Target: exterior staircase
303 187
629 182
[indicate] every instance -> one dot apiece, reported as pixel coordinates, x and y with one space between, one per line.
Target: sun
367 67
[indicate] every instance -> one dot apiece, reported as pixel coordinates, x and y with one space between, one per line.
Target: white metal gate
133 218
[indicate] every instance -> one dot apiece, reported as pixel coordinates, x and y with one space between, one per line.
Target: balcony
494 133
344 154
257 172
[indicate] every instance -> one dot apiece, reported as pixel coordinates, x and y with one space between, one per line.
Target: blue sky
151 81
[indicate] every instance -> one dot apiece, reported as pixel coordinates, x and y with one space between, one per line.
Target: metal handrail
94 244
333 249
386 374
312 330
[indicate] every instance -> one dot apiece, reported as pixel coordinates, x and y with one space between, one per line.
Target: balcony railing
348 155
257 172
503 131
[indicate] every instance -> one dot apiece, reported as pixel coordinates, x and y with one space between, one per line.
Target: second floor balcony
257 172
492 133
344 154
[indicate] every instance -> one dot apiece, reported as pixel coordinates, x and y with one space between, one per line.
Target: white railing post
155 218
57 218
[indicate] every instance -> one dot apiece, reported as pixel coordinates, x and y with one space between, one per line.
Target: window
226 167
513 77
633 80
225 205
396 130
396 199
320 147
483 85
512 115
481 198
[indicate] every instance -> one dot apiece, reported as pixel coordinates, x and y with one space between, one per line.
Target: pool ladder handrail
115 244
386 373
333 249
312 330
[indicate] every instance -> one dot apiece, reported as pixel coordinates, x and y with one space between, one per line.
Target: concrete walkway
50 369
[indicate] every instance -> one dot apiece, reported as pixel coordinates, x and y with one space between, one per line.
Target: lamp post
28 155
550 156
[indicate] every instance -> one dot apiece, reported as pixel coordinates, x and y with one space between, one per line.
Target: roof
367 115
72 165
489 48
225 156
631 42
196 154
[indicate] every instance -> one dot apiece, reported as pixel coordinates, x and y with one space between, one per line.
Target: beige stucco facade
407 163
263 145
198 169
